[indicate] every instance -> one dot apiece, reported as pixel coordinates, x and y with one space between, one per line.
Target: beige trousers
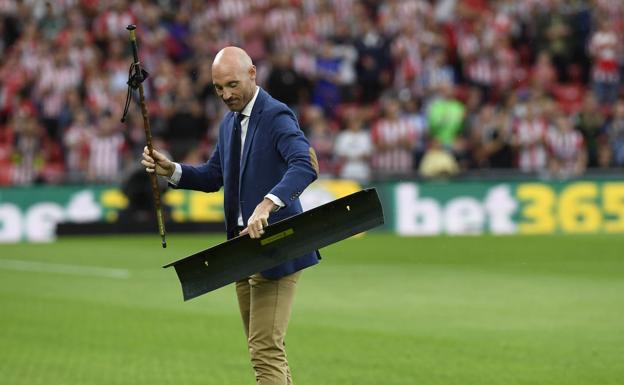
265 307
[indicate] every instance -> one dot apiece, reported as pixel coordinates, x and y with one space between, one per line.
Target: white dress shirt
177 174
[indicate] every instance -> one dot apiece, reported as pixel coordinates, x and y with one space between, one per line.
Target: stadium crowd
395 88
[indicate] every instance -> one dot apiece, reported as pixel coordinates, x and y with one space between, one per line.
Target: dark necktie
232 188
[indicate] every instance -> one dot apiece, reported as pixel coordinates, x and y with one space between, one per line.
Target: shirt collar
249 107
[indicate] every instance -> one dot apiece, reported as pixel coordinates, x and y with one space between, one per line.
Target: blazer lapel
256 114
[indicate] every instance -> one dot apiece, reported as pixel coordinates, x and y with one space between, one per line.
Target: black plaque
288 239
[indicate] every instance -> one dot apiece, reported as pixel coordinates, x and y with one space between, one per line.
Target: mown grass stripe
56 268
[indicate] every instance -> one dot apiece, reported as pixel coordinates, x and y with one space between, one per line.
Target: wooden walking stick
136 76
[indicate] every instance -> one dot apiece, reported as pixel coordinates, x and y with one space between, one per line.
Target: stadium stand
518 85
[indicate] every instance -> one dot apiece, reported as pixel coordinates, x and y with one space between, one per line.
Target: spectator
590 122
112 22
528 138
413 112
473 108
178 36
445 119
491 139
407 57
567 155
321 136
554 35
57 77
435 73
438 163
106 149
35 157
604 49
135 134
615 135
373 62
506 71
344 49
51 23
354 148
394 136
478 60
284 83
326 92
186 123
543 74
75 141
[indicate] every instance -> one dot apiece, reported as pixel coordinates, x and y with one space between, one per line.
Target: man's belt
288 239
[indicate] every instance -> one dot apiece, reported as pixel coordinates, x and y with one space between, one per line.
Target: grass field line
57 268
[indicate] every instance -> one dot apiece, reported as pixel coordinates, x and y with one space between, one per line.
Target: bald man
264 162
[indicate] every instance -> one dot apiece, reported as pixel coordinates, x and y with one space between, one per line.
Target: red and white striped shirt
408 60
53 83
284 20
395 141
233 9
530 136
564 146
481 70
105 155
505 67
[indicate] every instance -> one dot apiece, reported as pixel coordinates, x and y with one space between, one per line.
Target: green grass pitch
378 310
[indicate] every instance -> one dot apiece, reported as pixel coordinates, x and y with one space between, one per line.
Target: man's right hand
163 166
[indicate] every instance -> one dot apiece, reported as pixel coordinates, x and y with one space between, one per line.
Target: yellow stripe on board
277 237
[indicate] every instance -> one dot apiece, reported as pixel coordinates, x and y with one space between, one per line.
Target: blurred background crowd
399 88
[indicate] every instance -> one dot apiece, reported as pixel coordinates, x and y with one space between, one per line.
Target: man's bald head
234 77
232 56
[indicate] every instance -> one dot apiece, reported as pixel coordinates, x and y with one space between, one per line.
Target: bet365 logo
525 208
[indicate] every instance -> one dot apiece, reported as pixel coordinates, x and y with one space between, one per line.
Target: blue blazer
276 158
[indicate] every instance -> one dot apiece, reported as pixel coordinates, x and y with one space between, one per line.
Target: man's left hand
259 219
